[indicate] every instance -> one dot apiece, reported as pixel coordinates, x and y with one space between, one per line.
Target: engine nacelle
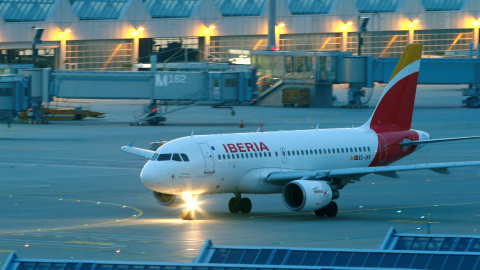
307 195
167 199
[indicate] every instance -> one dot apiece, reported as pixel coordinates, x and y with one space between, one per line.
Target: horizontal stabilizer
408 142
137 151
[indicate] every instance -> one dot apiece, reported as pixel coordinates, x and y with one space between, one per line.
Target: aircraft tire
245 205
331 209
233 205
187 214
320 212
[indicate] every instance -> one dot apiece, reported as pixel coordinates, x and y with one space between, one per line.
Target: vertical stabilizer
395 108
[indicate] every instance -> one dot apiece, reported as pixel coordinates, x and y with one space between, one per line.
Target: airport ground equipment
59 112
398 251
15 94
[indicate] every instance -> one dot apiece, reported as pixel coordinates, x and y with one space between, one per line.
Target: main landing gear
330 210
239 204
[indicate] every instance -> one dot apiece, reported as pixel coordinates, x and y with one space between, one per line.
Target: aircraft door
382 148
208 157
283 152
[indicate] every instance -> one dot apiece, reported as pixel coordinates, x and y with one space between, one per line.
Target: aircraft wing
137 151
282 178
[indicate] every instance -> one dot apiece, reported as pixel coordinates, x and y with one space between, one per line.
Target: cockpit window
164 157
185 157
176 157
154 157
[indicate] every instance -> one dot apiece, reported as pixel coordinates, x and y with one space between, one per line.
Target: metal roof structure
374 6
431 242
398 251
27 10
172 8
439 5
242 7
100 9
311 6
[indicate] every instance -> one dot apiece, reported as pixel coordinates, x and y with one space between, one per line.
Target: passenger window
338 150
276 153
293 153
164 157
355 149
246 155
316 151
251 155
368 148
306 152
269 154
324 151
298 153
219 157
342 150
154 157
329 151
256 155
223 156
351 150
311 152
288 152
283 153
242 155
333 150
233 156
238 156
364 149
228 156
359 149
346 149
176 157
185 157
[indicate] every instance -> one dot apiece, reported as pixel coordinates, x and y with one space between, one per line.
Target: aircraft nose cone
147 176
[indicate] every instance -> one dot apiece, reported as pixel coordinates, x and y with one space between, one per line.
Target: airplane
309 167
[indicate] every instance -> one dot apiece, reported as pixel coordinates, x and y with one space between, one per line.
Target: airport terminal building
112 35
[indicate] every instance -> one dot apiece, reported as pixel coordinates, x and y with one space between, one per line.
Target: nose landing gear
239 204
190 205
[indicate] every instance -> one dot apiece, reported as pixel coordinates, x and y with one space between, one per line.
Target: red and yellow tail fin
395 108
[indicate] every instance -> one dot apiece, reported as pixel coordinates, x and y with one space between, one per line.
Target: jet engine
308 195
167 199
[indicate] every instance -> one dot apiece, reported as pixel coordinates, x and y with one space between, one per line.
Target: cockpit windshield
174 157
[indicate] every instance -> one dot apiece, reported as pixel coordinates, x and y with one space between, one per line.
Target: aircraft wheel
188 214
245 205
320 212
331 209
233 205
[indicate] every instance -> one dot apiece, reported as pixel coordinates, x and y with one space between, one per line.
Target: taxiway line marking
414 221
89 243
138 214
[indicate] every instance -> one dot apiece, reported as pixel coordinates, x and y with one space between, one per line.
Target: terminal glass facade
379 44
437 42
311 42
114 55
219 46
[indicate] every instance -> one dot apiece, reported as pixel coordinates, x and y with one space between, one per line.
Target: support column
321 96
411 33
271 24
344 41
475 37
62 52
135 51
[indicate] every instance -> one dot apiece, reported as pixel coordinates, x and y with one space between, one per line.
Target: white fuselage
240 163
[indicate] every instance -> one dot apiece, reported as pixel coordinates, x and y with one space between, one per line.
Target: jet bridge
280 74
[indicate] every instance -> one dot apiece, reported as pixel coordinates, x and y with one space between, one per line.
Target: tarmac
67 191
